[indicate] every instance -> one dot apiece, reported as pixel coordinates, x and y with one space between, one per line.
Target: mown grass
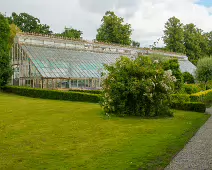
47 134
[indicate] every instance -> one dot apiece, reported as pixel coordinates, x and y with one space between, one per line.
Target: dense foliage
190 106
188 39
180 98
195 43
53 94
188 78
173 35
29 23
13 31
137 87
174 66
5 67
113 30
192 88
204 70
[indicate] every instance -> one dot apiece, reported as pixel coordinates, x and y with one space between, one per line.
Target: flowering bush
137 87
174 65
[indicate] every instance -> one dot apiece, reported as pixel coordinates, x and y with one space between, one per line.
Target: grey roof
53 62
187 66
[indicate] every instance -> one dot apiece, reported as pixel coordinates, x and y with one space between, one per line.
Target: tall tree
191 42
13 31
173 35
71 33
28 23
113 30
209 40
203 42
195 42
5 67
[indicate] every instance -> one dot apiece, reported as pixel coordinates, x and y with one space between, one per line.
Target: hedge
201 96
87 91
192 88
189 106
52 94
205 97
179 101
179 98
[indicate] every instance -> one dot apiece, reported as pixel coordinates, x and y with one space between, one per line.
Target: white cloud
147 17
149 20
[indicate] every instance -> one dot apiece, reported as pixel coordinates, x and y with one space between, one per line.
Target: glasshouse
58 63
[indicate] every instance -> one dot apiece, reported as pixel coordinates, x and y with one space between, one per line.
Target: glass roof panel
67 63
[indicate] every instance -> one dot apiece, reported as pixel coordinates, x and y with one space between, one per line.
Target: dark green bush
173 64
192 88
87 91
180 98
137 87
188 78
189 106
53 94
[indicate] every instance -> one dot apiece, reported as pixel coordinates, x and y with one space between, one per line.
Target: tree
13 31
173 35
113 30
203 43
204 70
28 23
137 87
71 33
135 44
5 67
195 42
209 40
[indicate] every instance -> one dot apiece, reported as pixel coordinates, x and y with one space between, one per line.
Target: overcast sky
147 17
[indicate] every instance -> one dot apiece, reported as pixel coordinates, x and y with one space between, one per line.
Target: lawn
59 135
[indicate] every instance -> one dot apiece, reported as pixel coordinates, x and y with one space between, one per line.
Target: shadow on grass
114 116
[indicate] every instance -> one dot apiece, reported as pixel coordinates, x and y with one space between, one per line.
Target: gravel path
197 154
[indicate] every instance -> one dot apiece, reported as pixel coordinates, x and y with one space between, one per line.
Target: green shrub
204 70
137 87
188 78
173 64
53 94
192 88
189 106
87 91
180 98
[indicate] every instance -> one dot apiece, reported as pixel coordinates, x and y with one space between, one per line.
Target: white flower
168 73
156 62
